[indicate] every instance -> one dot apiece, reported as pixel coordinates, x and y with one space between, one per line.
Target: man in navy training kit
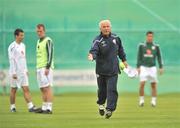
105 50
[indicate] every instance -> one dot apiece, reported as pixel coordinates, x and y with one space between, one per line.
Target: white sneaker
141 103
101 110
153 103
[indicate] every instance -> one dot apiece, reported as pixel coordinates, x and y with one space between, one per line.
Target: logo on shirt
148 53
153 47
22 52
114 41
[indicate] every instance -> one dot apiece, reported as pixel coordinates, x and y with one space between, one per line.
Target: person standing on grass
148 52
18 71
105 50
45 64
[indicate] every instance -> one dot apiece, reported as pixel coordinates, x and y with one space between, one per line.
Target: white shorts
22 80
43 80
148 74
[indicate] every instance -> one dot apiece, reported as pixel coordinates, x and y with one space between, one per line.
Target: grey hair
104 21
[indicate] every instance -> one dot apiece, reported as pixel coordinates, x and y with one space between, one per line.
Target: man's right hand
14 76
90 57
138 70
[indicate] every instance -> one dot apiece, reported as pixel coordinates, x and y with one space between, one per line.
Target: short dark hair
41 25
149 32
17 31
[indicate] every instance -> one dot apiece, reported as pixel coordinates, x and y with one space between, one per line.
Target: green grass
79 110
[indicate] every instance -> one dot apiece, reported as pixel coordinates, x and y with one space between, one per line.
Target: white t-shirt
17 58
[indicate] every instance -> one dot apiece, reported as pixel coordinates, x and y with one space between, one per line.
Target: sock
141 98
153 99
44 106
49 106
13 106
30 105
101 107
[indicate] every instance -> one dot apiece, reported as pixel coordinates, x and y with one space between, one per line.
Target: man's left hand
161 71
46 71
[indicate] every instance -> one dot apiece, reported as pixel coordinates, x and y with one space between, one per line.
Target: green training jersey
147 55
44 53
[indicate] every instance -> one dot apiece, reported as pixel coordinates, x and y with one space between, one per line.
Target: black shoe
33 109
13 110
141 105
108 114
47 112
101 110
39 110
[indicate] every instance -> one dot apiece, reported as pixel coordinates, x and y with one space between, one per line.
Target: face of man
105 28
20 37
40 32
149 38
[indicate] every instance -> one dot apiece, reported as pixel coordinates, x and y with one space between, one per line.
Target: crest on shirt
153 47
22 52
114 41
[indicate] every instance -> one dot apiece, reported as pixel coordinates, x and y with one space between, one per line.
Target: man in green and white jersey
45 64
148 52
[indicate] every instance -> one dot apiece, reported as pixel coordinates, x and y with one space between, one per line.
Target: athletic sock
12 106
49 106
141 98
44 106
30 105
153 99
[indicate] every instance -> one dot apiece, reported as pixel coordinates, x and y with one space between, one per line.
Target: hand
138 70
161 71
46 71
125 64
90 57
14 76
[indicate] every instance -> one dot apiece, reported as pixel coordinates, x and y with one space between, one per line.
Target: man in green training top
45 64
146 66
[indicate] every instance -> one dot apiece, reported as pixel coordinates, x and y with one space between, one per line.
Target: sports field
80 111
73 24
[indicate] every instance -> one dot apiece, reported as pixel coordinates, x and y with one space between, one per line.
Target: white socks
44 106
153 100
12 106
47 106
30 105
141 98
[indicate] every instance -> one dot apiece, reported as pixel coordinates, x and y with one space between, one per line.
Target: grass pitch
79 110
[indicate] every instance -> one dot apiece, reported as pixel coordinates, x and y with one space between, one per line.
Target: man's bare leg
141 93
154 93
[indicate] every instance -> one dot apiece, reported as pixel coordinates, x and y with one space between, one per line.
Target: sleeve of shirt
121 52
49 49
94 49
159 57
139 56
12 60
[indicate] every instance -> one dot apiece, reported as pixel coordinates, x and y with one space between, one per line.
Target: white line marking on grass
160 18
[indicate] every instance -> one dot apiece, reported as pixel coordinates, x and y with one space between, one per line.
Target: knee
153 86
26 90
13 90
